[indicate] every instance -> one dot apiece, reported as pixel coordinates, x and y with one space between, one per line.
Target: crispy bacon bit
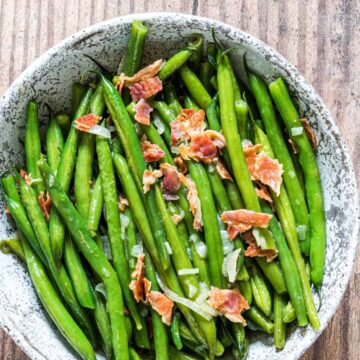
122 203
145 88
84 123
147 72
194 201
254 250
263 193
171 182
222 170
137 285
268 171
162 305
27 177
176 218
310 133
149 178
229 303
180 163
151 152
250 153
242 220
142 112
45 204
188 122
293 146
147 287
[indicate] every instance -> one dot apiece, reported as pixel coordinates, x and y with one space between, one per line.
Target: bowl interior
49 80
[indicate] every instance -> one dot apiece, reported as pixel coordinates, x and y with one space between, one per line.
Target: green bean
195 87
241 110
278 144
288 313
77 275
116 146
95 207
273 273
94 256
141 336
131 238
256 316
225 335
234 195
240 347
135 50
290 271
312 180
54 307
243 274
172 99
37 220
33 145
181 226
54 143
206 71
174 63
78 91
161 340
133 354
84 160
12 246
9 186
195 42
164 111
175 332
64 175
108 182
214 82
259 290
279 325
63 121
134 154
211 227
190 103
178 355
245 289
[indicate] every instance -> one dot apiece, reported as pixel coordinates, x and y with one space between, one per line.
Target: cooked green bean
95 207
12 246
279 325
64 122
174 63
288 313
54 143
256 316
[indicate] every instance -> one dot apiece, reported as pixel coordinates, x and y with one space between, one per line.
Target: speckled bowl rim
6 323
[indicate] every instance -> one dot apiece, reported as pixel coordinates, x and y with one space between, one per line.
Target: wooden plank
318 36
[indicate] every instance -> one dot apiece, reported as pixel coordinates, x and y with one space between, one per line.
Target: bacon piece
180 163
194 201
145 88
147 287
162 305
254 250
151 152
293 146
222 171
84 123
122 203
229 303
310 133
250 153
176 218
187 122
45 204
137 285
243 220
149 178
147 72
142 112
171 182
268 171
263 193
27 177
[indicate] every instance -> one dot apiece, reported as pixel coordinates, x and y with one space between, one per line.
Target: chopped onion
245 143
204 292
101 289
227 244
193 271
124 221
192 291
296 131
200 246
194 306
175 149
301 231
211 168
229 267
112 128
51 180
189 252
137 250
260 240
106 245
168 248
160 128
100 131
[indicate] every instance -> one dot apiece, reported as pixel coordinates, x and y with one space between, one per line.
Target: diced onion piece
296 131
229 267
228 245
245 143
168 248
301 231
200 246
192 291
201 310
160 128
193 271
124 221
101 289
137 250
106 245
100 131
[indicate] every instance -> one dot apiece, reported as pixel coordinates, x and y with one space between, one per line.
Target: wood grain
320 37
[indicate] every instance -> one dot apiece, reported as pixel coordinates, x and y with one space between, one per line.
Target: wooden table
320 37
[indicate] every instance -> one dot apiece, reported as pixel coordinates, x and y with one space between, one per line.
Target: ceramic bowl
49 80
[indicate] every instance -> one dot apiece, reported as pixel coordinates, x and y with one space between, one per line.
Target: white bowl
49 80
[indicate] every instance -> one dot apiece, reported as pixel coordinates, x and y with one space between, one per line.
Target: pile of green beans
81 253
